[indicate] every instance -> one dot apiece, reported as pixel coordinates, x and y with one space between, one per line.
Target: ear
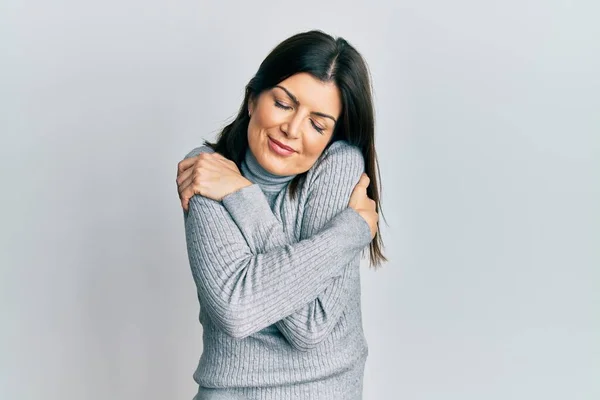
250 105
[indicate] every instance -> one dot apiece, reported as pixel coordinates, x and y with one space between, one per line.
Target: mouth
280 148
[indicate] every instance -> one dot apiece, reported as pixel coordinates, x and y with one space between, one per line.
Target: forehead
312 93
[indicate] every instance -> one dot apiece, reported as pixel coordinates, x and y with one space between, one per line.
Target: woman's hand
363 204
210 175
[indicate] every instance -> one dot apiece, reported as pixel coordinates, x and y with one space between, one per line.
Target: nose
291 127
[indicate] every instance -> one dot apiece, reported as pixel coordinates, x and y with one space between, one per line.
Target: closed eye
317 128
278 104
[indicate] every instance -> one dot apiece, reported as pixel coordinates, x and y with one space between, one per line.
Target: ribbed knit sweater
278 282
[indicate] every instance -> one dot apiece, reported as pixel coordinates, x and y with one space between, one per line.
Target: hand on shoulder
207 173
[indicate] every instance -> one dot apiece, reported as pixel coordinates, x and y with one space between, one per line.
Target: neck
268 182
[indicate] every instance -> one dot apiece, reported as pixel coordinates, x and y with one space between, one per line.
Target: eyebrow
295 100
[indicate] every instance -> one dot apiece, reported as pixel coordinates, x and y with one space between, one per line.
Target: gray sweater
278 281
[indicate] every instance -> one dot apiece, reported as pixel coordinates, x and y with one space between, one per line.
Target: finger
186 163
373 204
184 169
204 162
186 195
181 186
228 163
218 155
185 186
364 181
212 162
182 176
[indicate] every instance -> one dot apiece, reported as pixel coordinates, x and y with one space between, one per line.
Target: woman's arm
329 191
244 292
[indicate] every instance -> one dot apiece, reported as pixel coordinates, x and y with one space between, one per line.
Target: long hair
328 60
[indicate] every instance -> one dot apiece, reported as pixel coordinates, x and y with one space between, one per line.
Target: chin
270 163
274 169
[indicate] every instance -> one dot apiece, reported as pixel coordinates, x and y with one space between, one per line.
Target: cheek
257 125
314 145
313 148
267 117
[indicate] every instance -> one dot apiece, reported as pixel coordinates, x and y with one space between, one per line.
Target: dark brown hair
328 60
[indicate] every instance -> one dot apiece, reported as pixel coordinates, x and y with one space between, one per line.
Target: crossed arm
249 275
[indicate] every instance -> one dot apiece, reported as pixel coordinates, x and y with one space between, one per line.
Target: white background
488 129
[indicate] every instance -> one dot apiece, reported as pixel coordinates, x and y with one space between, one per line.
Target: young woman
277 213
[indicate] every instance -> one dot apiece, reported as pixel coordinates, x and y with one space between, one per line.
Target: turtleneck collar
268 182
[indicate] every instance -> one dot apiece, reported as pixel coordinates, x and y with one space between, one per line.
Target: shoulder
340 156
341 164
199 150
199 203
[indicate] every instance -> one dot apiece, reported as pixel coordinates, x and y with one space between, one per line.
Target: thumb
364 181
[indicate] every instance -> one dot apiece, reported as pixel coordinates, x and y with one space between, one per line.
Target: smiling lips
280 148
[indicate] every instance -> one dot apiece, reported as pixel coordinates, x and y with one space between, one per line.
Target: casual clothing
278 283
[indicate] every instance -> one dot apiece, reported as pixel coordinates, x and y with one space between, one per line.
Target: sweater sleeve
329 189
244 291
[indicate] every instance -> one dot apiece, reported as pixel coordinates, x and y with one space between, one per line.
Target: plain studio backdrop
488 124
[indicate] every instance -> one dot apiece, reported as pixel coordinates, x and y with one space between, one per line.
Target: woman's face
300 113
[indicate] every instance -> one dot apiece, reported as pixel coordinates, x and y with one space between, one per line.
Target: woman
286 201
